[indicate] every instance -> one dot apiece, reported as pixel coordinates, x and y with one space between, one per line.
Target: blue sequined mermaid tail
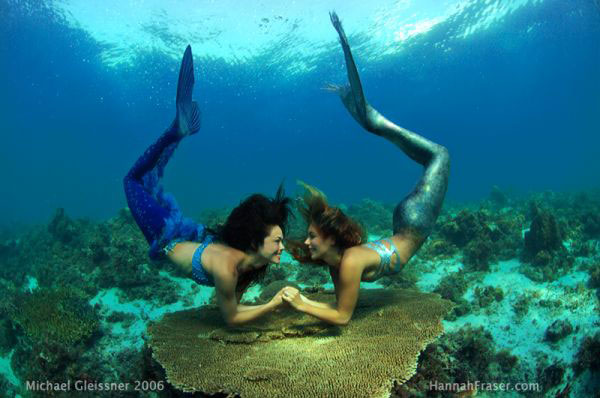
155 211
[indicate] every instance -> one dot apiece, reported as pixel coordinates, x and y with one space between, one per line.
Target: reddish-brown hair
331 222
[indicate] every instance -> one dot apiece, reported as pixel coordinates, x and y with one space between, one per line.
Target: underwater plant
588 355
487 295
453 287
558 330
544 233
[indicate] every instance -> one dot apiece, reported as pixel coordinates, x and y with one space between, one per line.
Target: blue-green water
510 87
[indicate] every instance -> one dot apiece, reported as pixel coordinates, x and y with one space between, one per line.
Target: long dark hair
331 221
250 223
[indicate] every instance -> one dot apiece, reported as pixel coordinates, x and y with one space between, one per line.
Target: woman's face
317 244
272 245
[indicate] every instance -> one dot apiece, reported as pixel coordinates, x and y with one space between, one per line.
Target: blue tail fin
188 111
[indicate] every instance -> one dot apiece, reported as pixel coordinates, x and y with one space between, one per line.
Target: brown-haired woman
337 241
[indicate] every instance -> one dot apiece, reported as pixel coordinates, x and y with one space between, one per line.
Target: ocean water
510 87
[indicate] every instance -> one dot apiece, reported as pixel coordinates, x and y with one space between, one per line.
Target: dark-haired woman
337 241
228 259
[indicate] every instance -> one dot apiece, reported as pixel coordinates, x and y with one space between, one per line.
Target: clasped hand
292 296
288 294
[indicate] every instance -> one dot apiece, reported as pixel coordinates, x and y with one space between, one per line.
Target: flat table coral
56 316
289 354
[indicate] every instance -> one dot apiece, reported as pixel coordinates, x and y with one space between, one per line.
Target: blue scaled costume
156 212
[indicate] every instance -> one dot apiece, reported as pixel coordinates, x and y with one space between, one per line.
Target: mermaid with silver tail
337 241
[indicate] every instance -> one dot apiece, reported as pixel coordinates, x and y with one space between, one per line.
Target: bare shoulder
356 259
221 261
360 256
355 253
219 252
354 262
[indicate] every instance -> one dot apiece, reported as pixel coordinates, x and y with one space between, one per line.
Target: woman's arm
346 292
316 303
242 287
228 292
234 313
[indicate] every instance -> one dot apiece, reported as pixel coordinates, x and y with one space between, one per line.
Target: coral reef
463 228
7 389
588 209
586 365
559 329
453 287
483 236
543 247
437 248
406 279
55 327
474 347
551 376
129 267
588 356
479 252
459 357
544 234
548 268
591 223
376 217
312 275
594 271
506 360
486 296
104 255
90 257
58 316
62 227
498 198
521 306
8 339
284 354
279 272
8 247
584 249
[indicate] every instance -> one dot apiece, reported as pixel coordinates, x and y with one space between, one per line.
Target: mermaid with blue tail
229 258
